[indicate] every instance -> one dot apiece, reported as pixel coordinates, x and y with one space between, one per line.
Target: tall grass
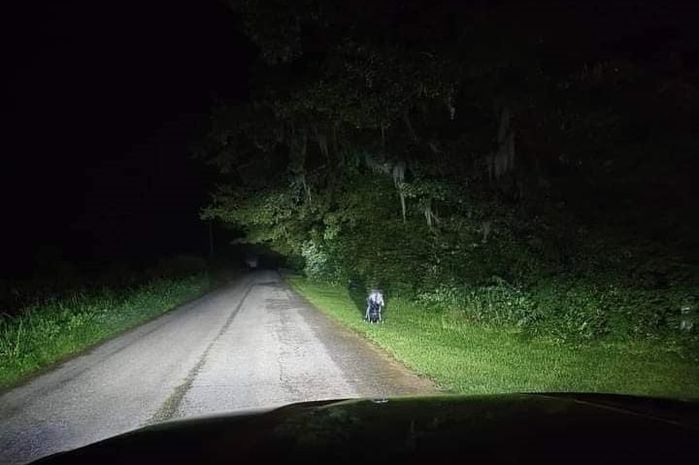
46 332
467 357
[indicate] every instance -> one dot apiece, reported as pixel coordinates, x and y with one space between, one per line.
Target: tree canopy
415 143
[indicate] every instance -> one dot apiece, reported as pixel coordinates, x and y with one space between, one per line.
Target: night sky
102 102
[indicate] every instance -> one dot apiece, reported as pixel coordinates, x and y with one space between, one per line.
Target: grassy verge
466 358
49 332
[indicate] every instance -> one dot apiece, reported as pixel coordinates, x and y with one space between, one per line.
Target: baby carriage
374 307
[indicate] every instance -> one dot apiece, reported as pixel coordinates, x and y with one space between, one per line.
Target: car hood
524 428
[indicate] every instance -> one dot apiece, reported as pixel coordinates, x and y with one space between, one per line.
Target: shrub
48 331
564 309
318 263
498 303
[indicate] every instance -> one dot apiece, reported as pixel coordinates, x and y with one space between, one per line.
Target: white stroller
375 304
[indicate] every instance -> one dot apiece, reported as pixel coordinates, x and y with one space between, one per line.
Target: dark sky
101 102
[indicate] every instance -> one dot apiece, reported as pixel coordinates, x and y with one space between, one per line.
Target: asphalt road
251 344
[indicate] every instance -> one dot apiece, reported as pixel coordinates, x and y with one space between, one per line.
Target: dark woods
537 157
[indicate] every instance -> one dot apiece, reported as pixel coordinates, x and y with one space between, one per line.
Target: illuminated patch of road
252 344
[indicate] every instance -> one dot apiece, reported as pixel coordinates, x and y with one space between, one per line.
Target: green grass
466 358
52 331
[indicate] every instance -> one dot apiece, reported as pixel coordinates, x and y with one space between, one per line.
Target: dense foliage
51 329
477 359
523 166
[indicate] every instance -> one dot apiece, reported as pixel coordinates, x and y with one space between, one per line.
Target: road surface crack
168 409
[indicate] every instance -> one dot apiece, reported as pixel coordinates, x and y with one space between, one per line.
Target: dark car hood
511 428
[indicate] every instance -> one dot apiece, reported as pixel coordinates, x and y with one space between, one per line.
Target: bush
571 312
564 309
46 332
318 263
497 304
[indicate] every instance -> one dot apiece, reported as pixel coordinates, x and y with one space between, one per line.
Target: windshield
234 205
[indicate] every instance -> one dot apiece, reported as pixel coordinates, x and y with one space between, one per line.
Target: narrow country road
254 343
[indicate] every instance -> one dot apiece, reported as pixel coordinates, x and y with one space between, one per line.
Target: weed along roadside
464 357
50 332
